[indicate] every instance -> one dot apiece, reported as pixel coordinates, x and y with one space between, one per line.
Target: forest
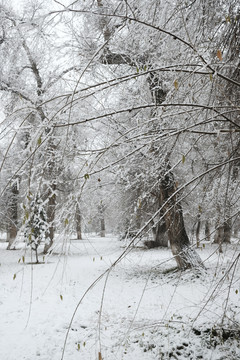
119 179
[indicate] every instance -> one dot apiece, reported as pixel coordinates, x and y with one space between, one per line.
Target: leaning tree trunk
184 255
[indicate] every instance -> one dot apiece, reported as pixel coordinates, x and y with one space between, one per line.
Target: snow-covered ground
138 310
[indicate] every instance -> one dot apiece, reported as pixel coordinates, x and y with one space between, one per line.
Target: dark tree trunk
78 219
50 218
223 231
161 237
13 215
102 220
227 231
219 234
236 226
184 255
103 231
207 231
154 229
36 254
198 229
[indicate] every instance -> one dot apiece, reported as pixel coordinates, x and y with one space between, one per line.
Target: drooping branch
157 28
149 106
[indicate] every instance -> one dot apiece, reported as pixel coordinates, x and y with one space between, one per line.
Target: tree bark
207 231
223 231
227 226
102 220
13 215
103 231
198 229
78 219
161 237
185 256
50 218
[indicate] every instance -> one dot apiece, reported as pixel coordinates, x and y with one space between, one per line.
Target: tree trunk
236 226
161 237
13 215
50 218
227 226
11 236
185 256
102 220
78 219
219 234
198 229
102 232
207 231
154 229
223 231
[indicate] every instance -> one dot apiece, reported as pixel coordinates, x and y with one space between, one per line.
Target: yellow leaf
61 297
14 276
78 346
176 84
66 222
219 55
39 141
228 19
211 77
23 259
236 291
183 159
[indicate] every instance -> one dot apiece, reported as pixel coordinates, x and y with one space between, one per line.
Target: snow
141 309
